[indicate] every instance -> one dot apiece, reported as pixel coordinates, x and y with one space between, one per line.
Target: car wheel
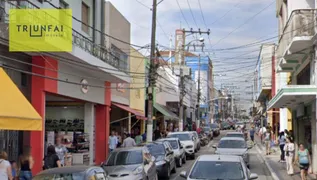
168 172
193 156
174 168
180 162
184 159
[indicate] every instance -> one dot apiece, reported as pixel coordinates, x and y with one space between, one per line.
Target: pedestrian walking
61 150
267 141
113 141
138 139
119 139
5 167
128 142
252 132
281 142
289 149
304 160
14 170
157 133
26 163
51 160
262 133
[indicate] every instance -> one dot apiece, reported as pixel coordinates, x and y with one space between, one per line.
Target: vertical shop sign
180 41
84 86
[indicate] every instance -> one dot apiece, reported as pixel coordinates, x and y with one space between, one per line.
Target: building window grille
119 58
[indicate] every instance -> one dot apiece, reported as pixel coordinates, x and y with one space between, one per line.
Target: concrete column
90 129
283 119
314 138
129 123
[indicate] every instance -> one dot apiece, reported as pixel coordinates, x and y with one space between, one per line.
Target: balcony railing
78 39
300 23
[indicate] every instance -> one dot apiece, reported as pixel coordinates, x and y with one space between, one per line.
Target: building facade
295 64
71 91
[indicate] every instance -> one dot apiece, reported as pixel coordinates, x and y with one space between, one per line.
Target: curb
273 174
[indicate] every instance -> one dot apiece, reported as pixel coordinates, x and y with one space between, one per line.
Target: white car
187 140
196 141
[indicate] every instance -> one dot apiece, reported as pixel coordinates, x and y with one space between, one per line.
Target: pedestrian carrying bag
48 162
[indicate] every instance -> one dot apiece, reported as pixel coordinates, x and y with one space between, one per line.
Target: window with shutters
85 17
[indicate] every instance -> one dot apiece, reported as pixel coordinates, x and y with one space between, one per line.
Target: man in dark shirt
157 133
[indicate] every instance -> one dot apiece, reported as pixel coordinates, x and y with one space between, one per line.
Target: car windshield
67 176
235 135
125 158
173 143
232 144
217 170
156 149
214 126
181 137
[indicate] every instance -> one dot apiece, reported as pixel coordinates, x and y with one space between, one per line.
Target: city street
256 166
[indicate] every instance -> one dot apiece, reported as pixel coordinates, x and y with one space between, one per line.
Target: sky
232 23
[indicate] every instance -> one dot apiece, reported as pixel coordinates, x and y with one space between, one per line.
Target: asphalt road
256 163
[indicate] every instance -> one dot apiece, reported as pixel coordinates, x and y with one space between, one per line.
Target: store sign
121 87
180 41
84 86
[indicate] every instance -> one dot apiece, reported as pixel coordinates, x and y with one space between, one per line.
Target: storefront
126 120
76 108
164 118
16 115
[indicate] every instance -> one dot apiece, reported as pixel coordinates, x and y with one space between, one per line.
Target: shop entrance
65 118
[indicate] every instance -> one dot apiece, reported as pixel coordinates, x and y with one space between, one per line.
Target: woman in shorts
304 160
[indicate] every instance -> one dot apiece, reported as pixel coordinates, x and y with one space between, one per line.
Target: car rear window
217 170
125 158
233 144
235 135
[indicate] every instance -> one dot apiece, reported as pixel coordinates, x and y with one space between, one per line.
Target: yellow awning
16 112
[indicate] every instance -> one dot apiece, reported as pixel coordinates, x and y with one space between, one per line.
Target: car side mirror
181 147
214 146
183 174
253 176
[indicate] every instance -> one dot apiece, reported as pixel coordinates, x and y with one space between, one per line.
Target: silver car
179 151
197 140
233 146
134 163
212 167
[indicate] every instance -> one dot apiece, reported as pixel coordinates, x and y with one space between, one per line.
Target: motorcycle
204 140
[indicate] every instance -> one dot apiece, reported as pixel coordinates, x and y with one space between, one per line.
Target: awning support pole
129 123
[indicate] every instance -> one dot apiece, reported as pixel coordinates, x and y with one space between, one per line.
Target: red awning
138 114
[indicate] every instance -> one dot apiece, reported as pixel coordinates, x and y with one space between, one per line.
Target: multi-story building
295 65
71 91
264 81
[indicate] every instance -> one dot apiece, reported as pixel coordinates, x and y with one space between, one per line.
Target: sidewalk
278 170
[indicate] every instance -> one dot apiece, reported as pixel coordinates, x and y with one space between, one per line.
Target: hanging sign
84 86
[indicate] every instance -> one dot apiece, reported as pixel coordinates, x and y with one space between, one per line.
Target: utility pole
181 99
199 93
232 107
149 135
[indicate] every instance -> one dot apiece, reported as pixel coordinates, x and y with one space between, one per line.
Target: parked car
215 129
187 140
219 167
208 132
233 146
73 173
132 163
164 158
225 126
197 140
179 152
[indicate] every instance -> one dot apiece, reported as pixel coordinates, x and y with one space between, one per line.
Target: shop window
84 17
24 79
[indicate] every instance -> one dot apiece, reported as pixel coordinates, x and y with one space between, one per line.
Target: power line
191 12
